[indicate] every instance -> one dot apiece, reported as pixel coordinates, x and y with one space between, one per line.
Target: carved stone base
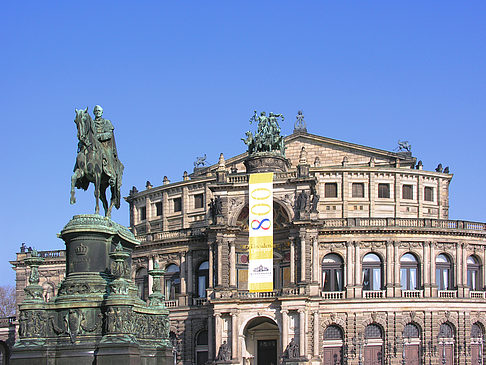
97 316
266 162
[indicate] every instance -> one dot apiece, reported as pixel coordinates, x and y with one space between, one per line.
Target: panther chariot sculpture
97 160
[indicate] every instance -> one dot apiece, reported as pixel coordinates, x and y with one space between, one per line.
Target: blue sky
180 79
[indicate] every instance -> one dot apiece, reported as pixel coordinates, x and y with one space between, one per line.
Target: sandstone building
369 270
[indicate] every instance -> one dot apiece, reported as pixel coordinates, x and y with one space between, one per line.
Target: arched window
373 331
411 331
141 281
477 345
446 331
443 272
172 282
473 273
333 332
202 279
373 351
333 345
332 273
409 272
446 343
411 344
201 349
372 268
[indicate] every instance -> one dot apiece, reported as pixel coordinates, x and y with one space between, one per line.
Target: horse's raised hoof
72 200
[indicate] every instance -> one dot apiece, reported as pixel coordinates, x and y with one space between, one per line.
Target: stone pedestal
266 162
97 316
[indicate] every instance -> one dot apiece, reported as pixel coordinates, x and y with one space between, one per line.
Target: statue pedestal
266 162
97 316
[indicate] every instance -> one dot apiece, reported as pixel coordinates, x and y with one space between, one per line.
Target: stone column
292 261
315 259
220 263
234 335
357 266
189 273
426 269
349 270
302 259
389 267
285 328
183 273
218 331
316 333
210 337
432 270
464 270
302 351
232 260
458 281
150 278
185 206
211 263
396 274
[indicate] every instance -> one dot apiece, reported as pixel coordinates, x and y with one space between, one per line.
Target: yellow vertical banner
260 268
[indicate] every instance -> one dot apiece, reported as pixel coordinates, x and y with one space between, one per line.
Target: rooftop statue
97 159
267 138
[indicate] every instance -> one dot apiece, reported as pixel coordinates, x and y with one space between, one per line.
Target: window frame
380 192
327 194
196 199
432 194
334 268
407 266
476 267
177 207
440 267
370 267
354 193
407 192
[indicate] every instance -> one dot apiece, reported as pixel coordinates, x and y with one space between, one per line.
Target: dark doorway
267 352
373 355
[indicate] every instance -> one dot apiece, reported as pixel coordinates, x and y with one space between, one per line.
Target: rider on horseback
104 133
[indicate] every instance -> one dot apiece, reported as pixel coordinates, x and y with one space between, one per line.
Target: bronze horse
89 166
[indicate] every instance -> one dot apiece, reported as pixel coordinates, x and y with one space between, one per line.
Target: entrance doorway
261 344
267 352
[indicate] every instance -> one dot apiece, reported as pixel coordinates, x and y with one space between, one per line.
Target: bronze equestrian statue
97 159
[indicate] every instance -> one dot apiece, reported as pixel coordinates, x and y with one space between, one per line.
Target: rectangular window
407 191
158 208
429 194
143 213
198 201
177 204
383 190
358 190
330 190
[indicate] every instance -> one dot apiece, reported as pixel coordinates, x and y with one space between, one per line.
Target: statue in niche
224 353
292 351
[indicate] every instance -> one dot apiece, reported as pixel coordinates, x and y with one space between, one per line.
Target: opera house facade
367 266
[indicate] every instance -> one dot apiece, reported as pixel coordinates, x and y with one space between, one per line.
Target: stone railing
171 303
243 178
199 301
6 321
374 294
245 294
403 222
412 293
332 295
477 294
447 293
290 291
179 234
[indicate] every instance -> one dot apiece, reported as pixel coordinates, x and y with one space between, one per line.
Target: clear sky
180 79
